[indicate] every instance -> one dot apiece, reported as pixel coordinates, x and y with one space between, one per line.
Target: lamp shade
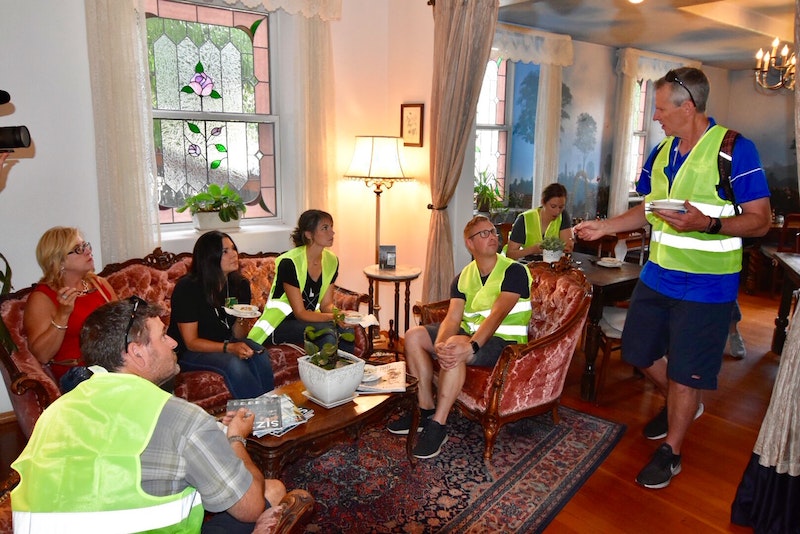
378 158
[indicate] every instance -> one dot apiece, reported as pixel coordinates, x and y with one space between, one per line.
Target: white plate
668 205
610 262
243 314
352 317
310 397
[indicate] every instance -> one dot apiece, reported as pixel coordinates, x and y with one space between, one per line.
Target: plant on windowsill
223 203
487 192
329 374
552 249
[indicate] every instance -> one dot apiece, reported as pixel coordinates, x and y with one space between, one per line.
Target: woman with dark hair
548 220
209 339
302 294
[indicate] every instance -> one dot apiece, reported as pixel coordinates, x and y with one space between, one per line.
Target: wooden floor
715 452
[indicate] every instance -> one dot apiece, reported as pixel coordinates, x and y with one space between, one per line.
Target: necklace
86 288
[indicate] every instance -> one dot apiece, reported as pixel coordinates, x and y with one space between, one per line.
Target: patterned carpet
368 485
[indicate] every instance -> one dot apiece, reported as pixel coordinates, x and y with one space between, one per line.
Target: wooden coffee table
331 426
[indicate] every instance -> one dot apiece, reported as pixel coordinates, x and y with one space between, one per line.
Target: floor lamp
378 162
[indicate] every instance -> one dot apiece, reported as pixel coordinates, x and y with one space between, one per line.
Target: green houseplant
487 192
224 201
552 248
328 355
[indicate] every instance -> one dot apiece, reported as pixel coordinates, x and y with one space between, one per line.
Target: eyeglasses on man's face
673 78
136 301
484 234
80 248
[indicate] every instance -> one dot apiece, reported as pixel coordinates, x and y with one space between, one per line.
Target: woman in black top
208 338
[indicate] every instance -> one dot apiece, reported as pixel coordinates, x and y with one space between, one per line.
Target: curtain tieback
432 207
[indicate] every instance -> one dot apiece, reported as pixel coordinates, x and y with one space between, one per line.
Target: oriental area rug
369 486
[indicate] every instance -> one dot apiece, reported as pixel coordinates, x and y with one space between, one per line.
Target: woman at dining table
67 293
209 338
302 293
532 226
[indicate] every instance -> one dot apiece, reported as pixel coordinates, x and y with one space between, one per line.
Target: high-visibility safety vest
533 228
481 298
81 469
696 180
277 309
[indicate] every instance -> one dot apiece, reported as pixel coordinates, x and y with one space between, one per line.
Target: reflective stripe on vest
111 522
277 309
481 297
696 180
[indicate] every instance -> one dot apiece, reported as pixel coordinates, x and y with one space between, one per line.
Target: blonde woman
59 304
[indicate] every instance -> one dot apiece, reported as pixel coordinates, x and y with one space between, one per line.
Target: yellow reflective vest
696 180
277 309
533 228
482 296
81 469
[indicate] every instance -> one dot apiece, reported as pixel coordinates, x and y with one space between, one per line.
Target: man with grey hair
119 454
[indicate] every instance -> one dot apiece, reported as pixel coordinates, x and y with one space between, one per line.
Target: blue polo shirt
749 183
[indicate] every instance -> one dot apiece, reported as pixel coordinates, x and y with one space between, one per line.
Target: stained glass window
212 112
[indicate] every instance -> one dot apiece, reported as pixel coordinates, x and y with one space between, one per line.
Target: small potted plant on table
552 249
329 374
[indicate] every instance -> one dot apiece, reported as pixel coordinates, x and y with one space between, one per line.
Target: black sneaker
403 425
662 467
658 426
431 440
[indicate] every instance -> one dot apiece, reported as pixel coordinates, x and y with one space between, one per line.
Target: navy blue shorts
691 334
486 356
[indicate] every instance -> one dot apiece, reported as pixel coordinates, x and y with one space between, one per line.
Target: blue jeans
246 379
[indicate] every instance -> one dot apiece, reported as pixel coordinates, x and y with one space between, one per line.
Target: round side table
402 273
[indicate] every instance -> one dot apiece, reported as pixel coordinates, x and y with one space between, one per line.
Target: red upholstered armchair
527 379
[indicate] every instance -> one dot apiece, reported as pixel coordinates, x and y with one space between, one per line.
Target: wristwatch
715 226
475 346
240 439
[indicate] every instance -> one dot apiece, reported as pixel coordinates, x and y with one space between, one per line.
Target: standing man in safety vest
682 304
119 454
490 307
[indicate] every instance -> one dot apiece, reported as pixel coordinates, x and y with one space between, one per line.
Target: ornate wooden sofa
528 379
32 388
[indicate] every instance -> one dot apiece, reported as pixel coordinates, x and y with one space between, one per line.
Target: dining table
609 285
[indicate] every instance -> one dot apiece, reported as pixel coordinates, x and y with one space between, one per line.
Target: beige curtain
123 128
463 33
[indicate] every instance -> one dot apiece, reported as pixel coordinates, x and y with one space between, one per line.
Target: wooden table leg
592 346
782 320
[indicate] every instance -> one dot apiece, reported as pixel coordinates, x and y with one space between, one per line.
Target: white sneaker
735 346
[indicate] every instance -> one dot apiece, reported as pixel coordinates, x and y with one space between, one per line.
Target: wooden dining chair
762 262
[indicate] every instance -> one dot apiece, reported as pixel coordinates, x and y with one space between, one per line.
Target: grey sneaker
431 440
403 425
658 426
662 467
736 346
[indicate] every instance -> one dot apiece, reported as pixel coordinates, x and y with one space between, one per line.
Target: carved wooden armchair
527 379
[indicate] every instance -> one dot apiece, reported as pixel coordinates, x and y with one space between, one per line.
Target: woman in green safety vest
302 293
548 220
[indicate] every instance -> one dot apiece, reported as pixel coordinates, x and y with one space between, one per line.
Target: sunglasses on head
136 301
673 78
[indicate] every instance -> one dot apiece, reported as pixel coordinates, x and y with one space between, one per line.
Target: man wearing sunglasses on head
682 304
489 309
119 454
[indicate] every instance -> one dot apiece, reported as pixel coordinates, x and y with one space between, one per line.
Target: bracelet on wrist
58 326
240 439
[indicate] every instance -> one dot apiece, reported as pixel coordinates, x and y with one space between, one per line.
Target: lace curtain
552 52
632 65
116 33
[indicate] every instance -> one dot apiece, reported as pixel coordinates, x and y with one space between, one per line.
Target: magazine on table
387 378
265 409
291 416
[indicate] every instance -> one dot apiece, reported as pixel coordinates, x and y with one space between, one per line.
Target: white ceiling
724 34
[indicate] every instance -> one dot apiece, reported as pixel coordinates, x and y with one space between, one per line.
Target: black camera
12 137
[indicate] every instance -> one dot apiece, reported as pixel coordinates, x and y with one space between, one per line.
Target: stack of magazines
275 415
387 378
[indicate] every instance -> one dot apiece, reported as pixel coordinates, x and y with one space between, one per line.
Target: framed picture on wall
411 117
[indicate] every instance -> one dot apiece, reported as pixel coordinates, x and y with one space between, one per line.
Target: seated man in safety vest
489 309
119 454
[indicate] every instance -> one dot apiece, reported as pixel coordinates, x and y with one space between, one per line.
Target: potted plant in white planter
216 207
329 374
552 249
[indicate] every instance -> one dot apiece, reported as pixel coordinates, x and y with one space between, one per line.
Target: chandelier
773 71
